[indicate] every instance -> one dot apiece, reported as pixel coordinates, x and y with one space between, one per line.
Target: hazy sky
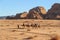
11 7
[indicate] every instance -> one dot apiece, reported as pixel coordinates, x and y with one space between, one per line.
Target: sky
12 7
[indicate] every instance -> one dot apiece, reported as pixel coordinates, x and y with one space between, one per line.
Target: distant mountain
3 17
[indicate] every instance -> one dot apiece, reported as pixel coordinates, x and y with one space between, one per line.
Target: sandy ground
48 28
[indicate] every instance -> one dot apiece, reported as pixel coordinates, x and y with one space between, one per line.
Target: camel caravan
29 25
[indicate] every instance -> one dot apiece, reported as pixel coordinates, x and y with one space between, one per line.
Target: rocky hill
39 13
54 12
36 13
21 15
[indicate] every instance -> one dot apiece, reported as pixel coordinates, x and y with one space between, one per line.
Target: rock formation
10 17
18 16
21 15
39 13
54 12
36 13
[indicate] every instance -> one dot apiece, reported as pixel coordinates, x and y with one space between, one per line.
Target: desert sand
26 29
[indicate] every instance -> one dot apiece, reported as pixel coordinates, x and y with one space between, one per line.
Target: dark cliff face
10 17
36 13
54 12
